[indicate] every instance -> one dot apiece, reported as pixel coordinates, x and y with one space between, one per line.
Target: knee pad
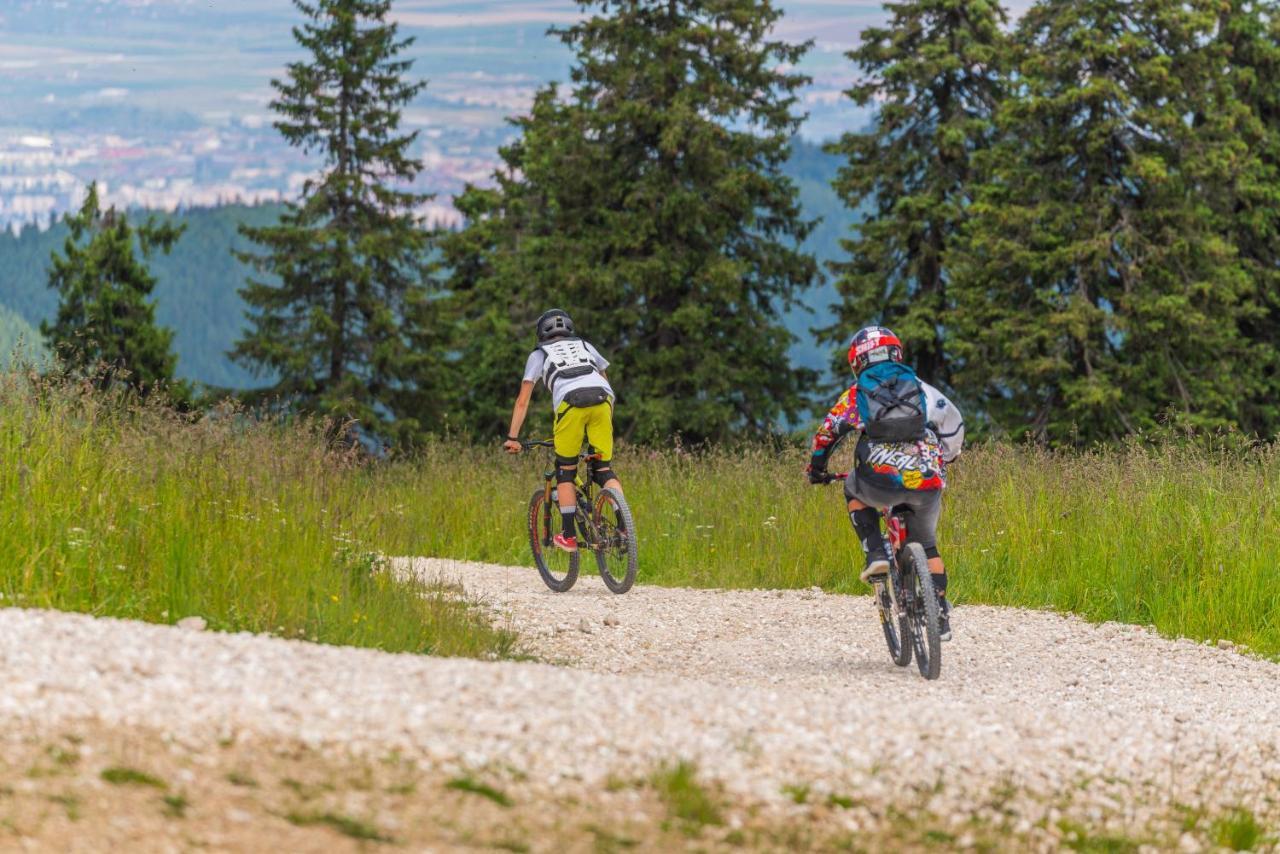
566 470
602 473
931 552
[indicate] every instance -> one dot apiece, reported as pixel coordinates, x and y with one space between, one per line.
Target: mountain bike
906 598
605 528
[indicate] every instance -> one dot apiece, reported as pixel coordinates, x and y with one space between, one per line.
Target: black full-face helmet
555 323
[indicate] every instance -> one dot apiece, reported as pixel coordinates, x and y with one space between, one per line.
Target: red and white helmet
874 344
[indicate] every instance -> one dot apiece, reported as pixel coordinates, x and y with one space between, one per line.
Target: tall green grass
119 509
128 510
1180 535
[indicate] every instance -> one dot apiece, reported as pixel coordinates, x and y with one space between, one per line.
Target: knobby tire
544 521
897 628
924 621
615 543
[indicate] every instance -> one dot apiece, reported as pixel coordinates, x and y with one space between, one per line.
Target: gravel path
763 690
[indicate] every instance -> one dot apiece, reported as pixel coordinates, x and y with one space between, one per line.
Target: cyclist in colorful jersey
582 399
907 432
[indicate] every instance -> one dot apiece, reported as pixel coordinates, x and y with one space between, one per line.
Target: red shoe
568 544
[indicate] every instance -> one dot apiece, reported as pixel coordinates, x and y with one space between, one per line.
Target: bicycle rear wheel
617 555
922 610
559 569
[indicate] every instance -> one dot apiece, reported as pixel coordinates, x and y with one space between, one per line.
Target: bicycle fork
587 522
896 535
894 611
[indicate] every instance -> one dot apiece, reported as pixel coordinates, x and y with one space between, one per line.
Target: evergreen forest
1072 218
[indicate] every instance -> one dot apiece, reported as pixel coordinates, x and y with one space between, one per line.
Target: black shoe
944 618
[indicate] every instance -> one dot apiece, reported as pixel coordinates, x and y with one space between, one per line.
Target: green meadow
115 509
118 509
1181 535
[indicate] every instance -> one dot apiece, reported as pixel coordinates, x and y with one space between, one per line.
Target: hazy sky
215 58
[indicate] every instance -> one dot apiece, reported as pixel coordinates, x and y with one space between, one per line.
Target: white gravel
763 689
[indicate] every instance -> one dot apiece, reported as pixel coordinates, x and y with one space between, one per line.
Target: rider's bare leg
565 494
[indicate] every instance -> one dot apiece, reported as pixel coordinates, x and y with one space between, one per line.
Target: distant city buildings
44 175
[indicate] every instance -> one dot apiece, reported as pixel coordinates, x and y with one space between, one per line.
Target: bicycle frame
897 528
895 523
903 612
582 486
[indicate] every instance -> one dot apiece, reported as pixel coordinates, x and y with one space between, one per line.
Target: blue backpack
891 403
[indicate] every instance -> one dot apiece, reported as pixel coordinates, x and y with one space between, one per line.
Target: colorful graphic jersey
840 421
916 466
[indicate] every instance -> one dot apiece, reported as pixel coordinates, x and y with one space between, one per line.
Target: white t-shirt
537 361
944 416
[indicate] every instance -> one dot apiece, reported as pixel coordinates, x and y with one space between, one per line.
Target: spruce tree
648 201
934 76
340 317
1246 107
106 325
1096 292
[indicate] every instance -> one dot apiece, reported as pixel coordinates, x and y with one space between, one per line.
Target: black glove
818 475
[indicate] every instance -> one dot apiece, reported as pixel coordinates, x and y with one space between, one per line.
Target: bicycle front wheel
922 609
897 628
559 569
617 555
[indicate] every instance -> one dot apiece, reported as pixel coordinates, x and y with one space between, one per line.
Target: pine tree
649 203
1246 106
1096 292
341 319
934 75
106 326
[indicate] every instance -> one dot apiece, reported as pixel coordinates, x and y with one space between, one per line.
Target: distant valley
197 291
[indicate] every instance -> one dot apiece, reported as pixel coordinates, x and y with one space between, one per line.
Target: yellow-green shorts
593 422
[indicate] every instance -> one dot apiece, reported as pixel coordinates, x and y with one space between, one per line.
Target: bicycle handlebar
589 455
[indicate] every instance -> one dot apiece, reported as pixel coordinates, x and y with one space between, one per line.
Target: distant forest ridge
195 295
198 282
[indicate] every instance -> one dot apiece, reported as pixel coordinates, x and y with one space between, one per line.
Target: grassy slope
133 513
1181 538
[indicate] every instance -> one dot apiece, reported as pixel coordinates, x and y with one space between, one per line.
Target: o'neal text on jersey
890 456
